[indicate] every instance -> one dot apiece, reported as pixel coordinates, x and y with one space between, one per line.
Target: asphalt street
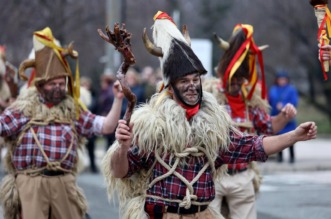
289 191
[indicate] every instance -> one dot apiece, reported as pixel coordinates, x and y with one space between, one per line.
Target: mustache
192 87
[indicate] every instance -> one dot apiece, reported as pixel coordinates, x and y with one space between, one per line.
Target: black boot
291 154
280 157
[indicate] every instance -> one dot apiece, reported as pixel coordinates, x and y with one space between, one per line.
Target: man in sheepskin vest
44 128
242 91
164 162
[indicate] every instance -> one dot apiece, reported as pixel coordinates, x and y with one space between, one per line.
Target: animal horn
186 35
28 63
70 51
151 48
221 43
261 48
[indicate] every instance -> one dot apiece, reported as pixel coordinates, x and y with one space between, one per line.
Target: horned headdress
246 53
177 59
50 62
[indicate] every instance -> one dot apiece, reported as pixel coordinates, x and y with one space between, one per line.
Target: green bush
307 112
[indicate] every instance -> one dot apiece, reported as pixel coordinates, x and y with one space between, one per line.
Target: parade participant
8 81
8 85
43 129
162 164
237 88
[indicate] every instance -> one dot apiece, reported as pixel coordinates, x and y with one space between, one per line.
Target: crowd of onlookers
99 99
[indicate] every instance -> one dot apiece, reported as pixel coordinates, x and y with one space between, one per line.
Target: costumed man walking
163 164
44 128
8 85
8 81
238 89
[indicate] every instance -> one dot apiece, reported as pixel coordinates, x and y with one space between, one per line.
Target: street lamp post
114 13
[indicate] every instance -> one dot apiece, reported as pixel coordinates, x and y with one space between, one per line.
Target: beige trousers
43 196
206 214
239 192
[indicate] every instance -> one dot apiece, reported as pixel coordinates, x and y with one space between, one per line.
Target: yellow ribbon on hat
328 21
239 61
45 37
249 48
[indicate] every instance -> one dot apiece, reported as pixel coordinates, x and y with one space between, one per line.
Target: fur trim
162 125
8 165
76 196
134 209
9 197
29 104
126 188
213 85
4 90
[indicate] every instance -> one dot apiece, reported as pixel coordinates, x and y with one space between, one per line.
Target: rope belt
53 168
189 198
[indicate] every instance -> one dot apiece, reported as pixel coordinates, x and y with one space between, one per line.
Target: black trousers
292 157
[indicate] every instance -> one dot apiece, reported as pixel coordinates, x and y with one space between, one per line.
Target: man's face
54 91
189 88
234 87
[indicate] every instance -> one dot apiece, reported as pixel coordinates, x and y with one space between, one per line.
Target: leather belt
234 171
52 173
158 209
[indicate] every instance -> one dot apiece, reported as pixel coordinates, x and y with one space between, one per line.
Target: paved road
289 191
285 195
294 195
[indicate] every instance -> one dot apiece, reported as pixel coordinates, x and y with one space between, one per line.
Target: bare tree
281 24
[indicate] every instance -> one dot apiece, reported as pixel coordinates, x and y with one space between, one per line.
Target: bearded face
188 89
54 91
234 88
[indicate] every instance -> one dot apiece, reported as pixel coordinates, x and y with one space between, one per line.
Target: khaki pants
43 196
206 214
240 195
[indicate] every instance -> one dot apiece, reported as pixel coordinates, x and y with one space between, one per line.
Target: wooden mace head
318 2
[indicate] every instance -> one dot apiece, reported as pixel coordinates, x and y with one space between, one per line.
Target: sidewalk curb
304 166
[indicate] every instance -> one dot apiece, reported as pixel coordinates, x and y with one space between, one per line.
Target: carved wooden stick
120 38
11 79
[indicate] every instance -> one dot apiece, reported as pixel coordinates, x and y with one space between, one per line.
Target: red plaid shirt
261 125
243 149
55 139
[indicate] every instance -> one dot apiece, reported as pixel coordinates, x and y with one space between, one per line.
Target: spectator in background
148 81
86 86
105 99
85 96
133 80
280 94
